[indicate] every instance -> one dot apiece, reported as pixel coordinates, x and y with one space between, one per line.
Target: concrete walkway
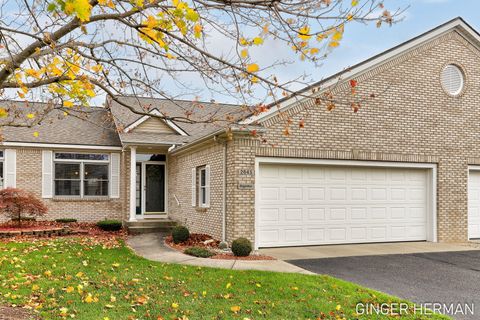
370 249
151 246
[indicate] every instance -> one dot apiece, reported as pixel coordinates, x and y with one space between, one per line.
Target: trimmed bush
241 247
180 234
110 225
199 252
66 220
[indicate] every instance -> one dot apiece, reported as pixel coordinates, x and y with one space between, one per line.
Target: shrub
110 225
180 234
66 220
15 203
241 247
199 252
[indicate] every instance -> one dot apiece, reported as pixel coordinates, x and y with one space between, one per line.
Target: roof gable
154 125
151 124
457 24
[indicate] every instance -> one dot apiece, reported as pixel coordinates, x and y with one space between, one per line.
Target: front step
150 226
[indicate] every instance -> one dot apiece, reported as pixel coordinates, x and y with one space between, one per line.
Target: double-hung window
81 174
2 158
201 187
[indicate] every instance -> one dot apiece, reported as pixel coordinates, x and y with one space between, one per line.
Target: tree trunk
19 215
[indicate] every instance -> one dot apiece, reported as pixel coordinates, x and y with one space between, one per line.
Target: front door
152 195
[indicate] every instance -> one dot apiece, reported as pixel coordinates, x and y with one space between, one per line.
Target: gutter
241 129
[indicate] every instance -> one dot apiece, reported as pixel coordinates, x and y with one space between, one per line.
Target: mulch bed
198 239
74 229
230 256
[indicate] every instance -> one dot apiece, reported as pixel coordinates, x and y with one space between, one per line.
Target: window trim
202 189
82 163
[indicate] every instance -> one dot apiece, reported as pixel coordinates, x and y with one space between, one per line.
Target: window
81 175
95 179
203 187
1 169
452 79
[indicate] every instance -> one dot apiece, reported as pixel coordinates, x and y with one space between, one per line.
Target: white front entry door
474 204
318 204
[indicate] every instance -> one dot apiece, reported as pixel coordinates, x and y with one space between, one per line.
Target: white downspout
224 197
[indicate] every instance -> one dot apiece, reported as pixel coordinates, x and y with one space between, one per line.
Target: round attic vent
452 79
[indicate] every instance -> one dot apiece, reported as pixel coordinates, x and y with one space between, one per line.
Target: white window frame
82 163
202 189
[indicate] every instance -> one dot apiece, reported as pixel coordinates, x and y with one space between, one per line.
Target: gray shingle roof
91 126
197 111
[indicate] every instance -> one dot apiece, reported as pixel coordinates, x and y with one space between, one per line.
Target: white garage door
310 204
474 205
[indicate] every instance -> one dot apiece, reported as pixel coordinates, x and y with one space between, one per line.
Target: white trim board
155 112
375 61
431 183
469 169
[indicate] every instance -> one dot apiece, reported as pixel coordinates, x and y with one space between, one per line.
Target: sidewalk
152 247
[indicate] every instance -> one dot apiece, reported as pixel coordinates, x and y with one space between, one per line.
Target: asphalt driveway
440 277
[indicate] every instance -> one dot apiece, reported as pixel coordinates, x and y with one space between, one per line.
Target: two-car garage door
319 204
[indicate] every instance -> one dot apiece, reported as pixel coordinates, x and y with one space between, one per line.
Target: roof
198 112
88 126
455 24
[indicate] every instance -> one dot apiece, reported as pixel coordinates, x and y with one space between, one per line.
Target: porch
148 185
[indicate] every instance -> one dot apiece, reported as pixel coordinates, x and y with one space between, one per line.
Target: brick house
406 167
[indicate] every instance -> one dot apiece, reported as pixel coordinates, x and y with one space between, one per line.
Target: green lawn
83 280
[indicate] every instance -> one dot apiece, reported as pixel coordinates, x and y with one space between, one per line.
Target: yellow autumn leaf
48 273
63 312
97 68
354 3
314 51
228 285
334 44
243 41
30 116
3 113
175 305
35 287
235 309
80 274
89 298
69 104
254 79
69 289
244 53
337 36
304 33
257 41
80 8
35 134
252 67
338 307
197 30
